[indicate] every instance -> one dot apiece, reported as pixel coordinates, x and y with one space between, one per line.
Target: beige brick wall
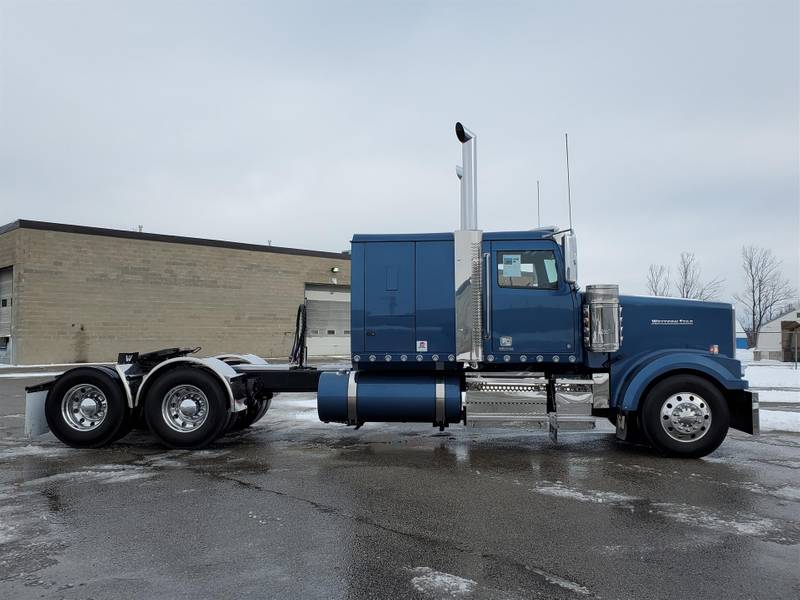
87 297
9 249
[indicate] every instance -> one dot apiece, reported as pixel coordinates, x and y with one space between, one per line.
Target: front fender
644 374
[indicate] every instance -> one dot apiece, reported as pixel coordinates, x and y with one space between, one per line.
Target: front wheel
685 416
186 408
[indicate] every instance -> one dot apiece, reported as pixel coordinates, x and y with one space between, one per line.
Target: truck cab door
530 308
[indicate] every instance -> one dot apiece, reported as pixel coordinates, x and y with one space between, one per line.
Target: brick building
75 294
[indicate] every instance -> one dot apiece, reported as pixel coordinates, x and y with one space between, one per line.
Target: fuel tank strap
440 408
352 394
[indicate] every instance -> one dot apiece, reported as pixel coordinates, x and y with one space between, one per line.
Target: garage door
6 279
328 320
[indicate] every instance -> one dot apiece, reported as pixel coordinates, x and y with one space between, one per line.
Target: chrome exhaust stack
468 177
469 262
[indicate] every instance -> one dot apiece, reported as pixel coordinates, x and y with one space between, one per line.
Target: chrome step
520 400
506 400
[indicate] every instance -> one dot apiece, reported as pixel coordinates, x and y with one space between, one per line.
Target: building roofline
170 239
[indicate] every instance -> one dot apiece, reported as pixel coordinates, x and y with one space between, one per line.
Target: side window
533 269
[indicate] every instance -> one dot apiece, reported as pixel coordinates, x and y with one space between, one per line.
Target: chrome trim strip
352 399
121 369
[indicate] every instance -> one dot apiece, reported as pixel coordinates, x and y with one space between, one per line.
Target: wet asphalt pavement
294 508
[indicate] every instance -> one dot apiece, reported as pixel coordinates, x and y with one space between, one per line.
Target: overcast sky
302 123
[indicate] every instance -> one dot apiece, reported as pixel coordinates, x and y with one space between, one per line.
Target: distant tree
689 284
658 280
766 292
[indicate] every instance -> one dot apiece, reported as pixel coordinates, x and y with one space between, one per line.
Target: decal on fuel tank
506 341
422 345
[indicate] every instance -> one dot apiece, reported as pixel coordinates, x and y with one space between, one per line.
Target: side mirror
570 246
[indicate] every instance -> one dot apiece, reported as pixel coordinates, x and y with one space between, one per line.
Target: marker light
714 349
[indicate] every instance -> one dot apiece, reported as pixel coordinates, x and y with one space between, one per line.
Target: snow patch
441 585
766 397
297 403
100 474
7 533
779 420
32 450
772 375
699 517
788 492
561 582
306 416
595 496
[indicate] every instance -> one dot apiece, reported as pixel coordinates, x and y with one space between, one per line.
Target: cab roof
530 234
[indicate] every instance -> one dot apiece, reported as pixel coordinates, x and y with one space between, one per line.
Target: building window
4 302
4 343
532 269
331 332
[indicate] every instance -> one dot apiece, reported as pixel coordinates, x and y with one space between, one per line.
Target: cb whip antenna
538 206
569 191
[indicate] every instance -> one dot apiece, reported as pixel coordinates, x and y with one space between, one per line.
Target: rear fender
238 359
36 396
223 372
683 362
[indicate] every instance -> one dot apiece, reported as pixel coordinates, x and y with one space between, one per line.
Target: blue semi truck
473 327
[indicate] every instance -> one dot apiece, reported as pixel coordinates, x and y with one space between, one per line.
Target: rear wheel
86 409
252 414
186 408
685 416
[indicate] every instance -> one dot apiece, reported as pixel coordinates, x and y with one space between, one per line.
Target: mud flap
744 412
35 420
628 427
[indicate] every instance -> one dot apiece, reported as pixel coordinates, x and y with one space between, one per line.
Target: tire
252 415
685 416
198 408
86 408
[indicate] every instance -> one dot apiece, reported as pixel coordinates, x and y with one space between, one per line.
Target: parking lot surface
294 508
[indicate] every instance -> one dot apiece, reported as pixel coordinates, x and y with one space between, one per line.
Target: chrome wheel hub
184 408
685 417
84 407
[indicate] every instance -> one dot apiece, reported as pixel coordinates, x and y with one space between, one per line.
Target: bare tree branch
689 284
658 280
766 292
